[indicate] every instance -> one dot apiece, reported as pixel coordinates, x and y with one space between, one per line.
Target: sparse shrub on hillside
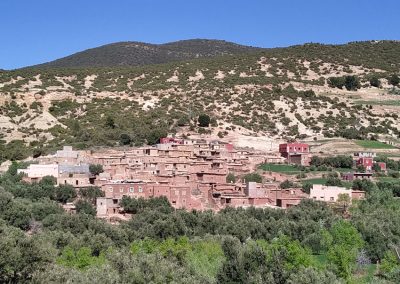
204 120
336 82
183 121
125 139
110 122
375 82
153 137
394 80
352 83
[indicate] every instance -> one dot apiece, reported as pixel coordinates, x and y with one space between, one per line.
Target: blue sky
36 31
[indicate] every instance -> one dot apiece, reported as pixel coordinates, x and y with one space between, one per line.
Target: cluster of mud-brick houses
191 174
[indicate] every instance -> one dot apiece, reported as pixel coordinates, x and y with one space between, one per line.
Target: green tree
65 193
110 122
230 178
345 246
204 120
311 275
375 82
22 256
336 82
306 187
344 200
85 207
352 83
286 184
253 177
153 136
81 258
96 169
124 139
333 181
91 193
390 263
363 184
394 80
376 167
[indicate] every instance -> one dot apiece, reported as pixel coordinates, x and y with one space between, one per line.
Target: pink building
180 196
285 198
287 149
331 193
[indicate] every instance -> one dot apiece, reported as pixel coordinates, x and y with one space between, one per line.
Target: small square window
131 189
110 189
121 190
140 189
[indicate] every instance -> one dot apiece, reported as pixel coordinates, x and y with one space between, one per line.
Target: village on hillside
199 174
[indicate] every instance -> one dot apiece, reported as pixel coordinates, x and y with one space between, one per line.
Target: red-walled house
178 196
366 162
295 153
293 148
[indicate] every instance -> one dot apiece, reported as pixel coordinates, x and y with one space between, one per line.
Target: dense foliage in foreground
309 243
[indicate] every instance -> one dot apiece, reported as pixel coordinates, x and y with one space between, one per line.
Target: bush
336 82
85 207
394 80
253 177
125 139
204 120
375 82
287 184
96 169
352 83
65 193
230 178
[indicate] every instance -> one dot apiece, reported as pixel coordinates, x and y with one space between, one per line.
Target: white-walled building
326 193
36 172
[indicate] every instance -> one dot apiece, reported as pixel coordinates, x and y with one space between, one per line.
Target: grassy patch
380 103
370 144
314 181
280 168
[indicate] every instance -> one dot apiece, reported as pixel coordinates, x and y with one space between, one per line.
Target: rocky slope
277 93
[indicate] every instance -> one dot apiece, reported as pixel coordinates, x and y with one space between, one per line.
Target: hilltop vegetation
296 92
139 53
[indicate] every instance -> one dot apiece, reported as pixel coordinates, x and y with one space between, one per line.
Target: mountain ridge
133 53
